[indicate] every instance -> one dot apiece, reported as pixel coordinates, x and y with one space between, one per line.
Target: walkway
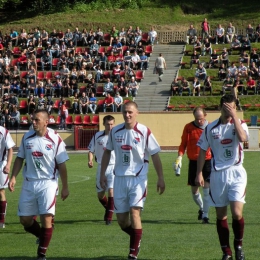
152 94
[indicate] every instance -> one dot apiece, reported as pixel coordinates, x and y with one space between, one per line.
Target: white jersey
97 146
42 155
6 142
132 149
226 149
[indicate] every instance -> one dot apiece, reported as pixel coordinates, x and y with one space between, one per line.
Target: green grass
171 228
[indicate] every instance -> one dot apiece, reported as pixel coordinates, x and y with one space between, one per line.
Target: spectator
257 32
235 45
22 60
41 104
74 74
220 34
116 73
15 74
91 37
108 87
144 61
184 86
175 87
246 45
74 86
194 59
36 36
122 36
230 32
132 46
250 33
108 103
117 47
251 85
129 72
113 35
242 70
46 61
75 103
253 71
222 72
57 87
66 90
92 86
240 85
152 35
14 37
207 47
99 37
13 101
207 86
49 104
127 59
68 36
82 74
201 72
55 50
95 47
99 73
214 59
14 119
132 88
138 35
48 88
122 87
111 60
254 57
160 66
39 89
244 57
205 27
227 85
118 102
15 88
76 36
196 86
31 104
224 58
23 87
191 35
103 61
197 46
62 61
129 35
63 113
64 72
83 103
232 70
6 87
140 48
92 103
53 37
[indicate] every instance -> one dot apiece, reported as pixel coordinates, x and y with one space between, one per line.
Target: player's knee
26 222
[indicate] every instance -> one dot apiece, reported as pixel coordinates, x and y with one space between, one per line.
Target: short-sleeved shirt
225 146
132 149
42 155
6 142
97 146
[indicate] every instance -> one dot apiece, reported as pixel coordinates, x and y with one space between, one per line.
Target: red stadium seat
95 120
40 75
86 120
49 75
148 50
69 120
78 120
145 38
139 75
100 91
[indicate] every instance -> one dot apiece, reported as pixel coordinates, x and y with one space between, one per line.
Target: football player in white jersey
225 137
132 143
96 147
6 155
45 155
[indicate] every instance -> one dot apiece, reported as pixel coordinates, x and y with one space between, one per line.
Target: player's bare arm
64 180
200 162
90 160
158 167
104 164
18 163
7 168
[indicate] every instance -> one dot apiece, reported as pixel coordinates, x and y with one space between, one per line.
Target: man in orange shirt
190 136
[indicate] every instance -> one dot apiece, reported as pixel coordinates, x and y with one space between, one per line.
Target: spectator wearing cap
118 102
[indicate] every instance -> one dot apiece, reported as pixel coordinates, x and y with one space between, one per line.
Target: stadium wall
167 127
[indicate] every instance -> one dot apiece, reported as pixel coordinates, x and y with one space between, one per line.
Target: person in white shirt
96 147
46 156
160 65
136 60
132 143
220 34
228 179
6 152
152 35
118 102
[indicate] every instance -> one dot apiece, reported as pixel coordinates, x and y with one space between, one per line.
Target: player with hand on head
132 143
45 156
6 152
97 146
225 137
190 136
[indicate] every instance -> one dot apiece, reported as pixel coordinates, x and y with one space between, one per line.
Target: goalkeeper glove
177 165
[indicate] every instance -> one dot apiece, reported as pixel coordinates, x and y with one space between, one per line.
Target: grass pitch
171 230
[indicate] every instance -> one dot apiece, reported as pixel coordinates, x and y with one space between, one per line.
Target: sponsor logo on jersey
48 147
119 139
226 141
228 154
137 139
126 147
100 142
37 154
29 146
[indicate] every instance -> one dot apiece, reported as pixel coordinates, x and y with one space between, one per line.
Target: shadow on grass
70 258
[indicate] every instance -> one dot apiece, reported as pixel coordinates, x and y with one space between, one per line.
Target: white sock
198 200
206 200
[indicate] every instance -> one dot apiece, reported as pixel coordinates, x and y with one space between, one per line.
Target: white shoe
2 225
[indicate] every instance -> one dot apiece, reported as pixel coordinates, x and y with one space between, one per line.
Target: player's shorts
110 177
193 171
129 191
228 185
4 178
37 198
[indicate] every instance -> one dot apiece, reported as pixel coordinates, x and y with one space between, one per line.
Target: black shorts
193 170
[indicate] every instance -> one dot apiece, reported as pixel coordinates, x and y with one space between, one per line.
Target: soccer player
132 143
97 146
190 136
225 137
6 152
45 155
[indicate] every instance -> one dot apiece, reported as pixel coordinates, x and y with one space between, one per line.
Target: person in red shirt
108 103
22 60
116 73
111 60
250 85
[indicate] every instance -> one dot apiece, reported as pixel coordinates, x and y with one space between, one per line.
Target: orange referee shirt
190 136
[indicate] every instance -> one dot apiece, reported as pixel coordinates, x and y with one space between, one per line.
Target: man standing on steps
160 64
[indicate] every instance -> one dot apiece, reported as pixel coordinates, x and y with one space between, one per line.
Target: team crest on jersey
29 146
100 142
48 147
137 139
